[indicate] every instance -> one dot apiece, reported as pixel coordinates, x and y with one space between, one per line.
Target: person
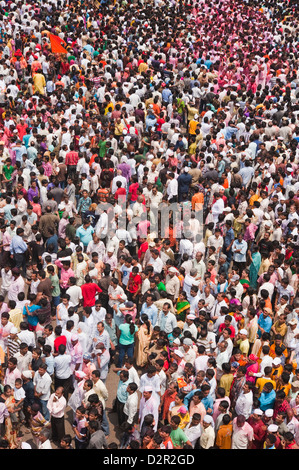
80 428
56 406
44 439
207 437
242 433
126 340
42 388
177 435
177 163
97 437
224 433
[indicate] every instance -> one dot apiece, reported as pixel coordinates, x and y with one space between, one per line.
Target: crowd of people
149 208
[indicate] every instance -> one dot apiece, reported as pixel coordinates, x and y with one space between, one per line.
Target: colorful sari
254 269
181 308
143 339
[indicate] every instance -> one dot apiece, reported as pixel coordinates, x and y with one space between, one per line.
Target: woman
126 340
256 260
178 408
250 299
7 397
182 306
252 368
143 339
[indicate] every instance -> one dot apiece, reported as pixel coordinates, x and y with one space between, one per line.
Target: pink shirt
11 376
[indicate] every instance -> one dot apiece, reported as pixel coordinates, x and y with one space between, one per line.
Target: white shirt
244 404
131 407
43 385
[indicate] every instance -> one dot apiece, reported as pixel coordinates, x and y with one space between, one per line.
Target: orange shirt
197 201
224 436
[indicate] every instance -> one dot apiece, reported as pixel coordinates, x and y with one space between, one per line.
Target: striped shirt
13 346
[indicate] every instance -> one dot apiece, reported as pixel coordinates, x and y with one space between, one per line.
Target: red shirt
133 190
134 283
89 291
71 158
58 341
223 325
143 248
120 194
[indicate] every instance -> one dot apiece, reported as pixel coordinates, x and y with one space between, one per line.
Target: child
19 395
66 442
21 301
29 271
80 428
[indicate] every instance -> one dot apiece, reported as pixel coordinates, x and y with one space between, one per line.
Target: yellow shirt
243 346
16 317
226 382
261 381
193 126
39 83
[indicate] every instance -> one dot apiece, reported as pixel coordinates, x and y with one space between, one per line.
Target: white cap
178 353
269 413
273 428
258 412
243 332
14 330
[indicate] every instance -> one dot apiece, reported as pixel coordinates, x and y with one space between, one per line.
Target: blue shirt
151 312
229 237
207 402
265 323
85 235
239 257
32 319
122 393
17 245
267 400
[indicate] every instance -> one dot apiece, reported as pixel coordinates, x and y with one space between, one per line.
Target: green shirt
178 437
126 337
55 284
8 171
103 148
161 286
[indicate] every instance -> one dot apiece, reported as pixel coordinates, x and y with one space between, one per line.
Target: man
150 309
193 429
42 389
239 250
56 406
242 433
48 220
259 428
244 401
102 336
148 405
188 351
100 389
76 353
62 370
121 395
97 437
102 358
172 284
131 406
167 320
44 439
18 250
